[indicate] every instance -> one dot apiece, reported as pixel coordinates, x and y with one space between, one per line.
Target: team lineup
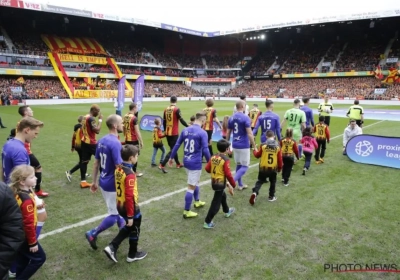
115 166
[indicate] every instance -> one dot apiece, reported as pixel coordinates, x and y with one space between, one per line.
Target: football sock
196 193
188 199
83 171
120 222
108 222
76 167
13 268
300 150
38 175
210 148
240 173
39 227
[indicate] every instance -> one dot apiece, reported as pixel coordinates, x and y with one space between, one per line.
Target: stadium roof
210 18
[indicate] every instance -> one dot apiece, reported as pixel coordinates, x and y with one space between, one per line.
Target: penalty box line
157 198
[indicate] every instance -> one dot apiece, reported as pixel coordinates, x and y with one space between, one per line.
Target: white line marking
157 198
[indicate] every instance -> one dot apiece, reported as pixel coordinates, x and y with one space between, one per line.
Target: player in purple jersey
107 159
309 112
195 146
14 152
240 125
268 121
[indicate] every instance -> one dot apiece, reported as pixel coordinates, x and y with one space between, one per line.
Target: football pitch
341 212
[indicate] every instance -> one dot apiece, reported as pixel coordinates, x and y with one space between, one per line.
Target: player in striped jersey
211 117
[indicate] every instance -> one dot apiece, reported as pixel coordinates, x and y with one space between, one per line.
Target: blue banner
138 93
375 150
147 122
121 93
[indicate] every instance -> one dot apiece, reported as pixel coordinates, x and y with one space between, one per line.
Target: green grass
340 212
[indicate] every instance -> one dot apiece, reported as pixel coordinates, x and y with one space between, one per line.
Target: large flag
392 77
21 80
378 73
121 93
138 93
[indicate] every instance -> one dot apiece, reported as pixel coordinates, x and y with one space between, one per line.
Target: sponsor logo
364 148
374 150
98 15
32 6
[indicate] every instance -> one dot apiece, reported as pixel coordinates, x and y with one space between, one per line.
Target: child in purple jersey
268 121
14 152
107 159
195 145
239 125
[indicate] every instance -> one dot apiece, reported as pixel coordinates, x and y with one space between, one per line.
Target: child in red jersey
30 255
309 145
223 133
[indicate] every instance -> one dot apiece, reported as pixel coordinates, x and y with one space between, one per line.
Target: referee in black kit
356 112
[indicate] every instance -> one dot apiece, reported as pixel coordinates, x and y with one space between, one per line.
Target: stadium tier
82 53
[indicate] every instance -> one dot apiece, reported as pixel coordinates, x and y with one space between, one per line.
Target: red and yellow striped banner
73 45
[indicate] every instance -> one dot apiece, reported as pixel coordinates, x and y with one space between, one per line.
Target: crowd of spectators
395 49
93 84
127 53
219 62
168 89
338 87
32 88
28 43
304 59
361 55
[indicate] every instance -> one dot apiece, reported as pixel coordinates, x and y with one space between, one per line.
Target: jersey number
291 117
286 148
236 129
189 145
267 124
214 171
307 145
321 131
119 190
169 117
270 158
103 159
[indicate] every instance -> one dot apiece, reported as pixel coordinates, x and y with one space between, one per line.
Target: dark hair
22 110
352 120
289 133
268 103
173 99
296 101
209 102
321 118
305 100
223 145
255 105
12 134
128 151
243 97
80 119
307 131
356 102
270 133
157 121
95 108
192 118
132 106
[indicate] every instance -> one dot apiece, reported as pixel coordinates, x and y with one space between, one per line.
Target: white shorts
39 202
193 177
111 201
242 156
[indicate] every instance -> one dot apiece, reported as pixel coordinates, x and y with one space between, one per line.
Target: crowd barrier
180 99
